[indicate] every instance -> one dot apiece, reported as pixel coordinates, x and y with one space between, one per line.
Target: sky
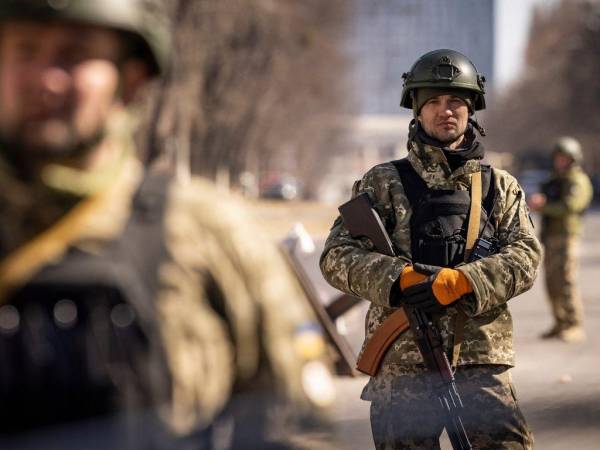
512 29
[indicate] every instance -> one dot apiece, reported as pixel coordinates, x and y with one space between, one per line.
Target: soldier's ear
134 74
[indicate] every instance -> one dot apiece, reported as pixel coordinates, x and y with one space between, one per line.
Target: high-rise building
387 36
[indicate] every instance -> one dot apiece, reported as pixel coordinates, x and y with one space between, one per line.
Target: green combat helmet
569 146
144 20
444 69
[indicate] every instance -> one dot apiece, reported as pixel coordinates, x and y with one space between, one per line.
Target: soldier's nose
55 83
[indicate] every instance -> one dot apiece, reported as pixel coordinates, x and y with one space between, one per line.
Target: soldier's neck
457 143
89 160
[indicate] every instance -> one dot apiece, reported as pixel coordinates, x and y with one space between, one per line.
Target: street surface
558 385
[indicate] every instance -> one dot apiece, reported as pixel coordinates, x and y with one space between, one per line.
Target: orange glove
449 285
440 287
409 277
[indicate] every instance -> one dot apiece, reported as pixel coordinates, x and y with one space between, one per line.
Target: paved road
558 384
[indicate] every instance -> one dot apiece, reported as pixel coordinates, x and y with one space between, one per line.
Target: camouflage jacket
568 195
215 256
351 266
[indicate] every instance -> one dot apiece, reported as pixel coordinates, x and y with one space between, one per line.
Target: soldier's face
562 162
58 83
445 118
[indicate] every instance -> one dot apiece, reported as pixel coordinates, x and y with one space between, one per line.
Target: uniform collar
27 208
67 181
429 159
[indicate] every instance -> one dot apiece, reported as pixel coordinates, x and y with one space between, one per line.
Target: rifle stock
362 220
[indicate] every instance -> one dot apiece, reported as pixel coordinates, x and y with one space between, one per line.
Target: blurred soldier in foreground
425 202
145 306
563 198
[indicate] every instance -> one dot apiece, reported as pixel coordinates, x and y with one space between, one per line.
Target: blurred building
387 36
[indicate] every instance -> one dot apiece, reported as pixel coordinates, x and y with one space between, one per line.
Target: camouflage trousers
561 261
411 420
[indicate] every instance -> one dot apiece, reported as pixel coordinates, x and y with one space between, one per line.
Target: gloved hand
409 277
441 288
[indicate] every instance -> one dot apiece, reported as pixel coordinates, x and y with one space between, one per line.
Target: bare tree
255 85
558 94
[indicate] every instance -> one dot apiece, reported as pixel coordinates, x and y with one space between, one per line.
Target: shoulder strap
474 213
142 241
414 185
482 184
20 265
472 234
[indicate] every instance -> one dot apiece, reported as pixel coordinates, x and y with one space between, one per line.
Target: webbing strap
474 214
472 234
19 265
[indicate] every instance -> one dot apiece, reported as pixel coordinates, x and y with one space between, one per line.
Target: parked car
284 188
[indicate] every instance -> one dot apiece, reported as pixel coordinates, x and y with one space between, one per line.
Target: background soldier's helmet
569 146
145 21
444 69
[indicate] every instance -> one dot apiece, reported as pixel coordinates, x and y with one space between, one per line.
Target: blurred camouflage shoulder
213 232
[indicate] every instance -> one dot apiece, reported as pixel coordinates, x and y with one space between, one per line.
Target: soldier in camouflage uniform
563 198
444 89
232 321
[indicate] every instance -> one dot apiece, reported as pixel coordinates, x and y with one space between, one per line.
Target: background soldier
122 290
423 202
563 198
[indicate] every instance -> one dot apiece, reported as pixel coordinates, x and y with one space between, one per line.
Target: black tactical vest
440 218
81 338
555 189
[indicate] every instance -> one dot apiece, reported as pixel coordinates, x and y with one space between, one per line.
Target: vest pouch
554 189
77 342
438 228
434 253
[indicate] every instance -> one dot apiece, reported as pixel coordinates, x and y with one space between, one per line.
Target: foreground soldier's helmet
444 69
144 20
569 146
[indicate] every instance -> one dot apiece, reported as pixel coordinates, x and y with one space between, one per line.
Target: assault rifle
363 221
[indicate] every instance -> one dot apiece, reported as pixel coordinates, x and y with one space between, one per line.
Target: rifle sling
22 263
474 214
472 234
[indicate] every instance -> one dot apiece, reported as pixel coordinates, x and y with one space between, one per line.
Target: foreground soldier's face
58 83
445 118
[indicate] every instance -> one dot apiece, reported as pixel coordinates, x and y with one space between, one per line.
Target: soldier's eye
25 50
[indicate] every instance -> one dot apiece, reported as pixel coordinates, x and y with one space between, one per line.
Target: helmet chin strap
413 127
477 126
